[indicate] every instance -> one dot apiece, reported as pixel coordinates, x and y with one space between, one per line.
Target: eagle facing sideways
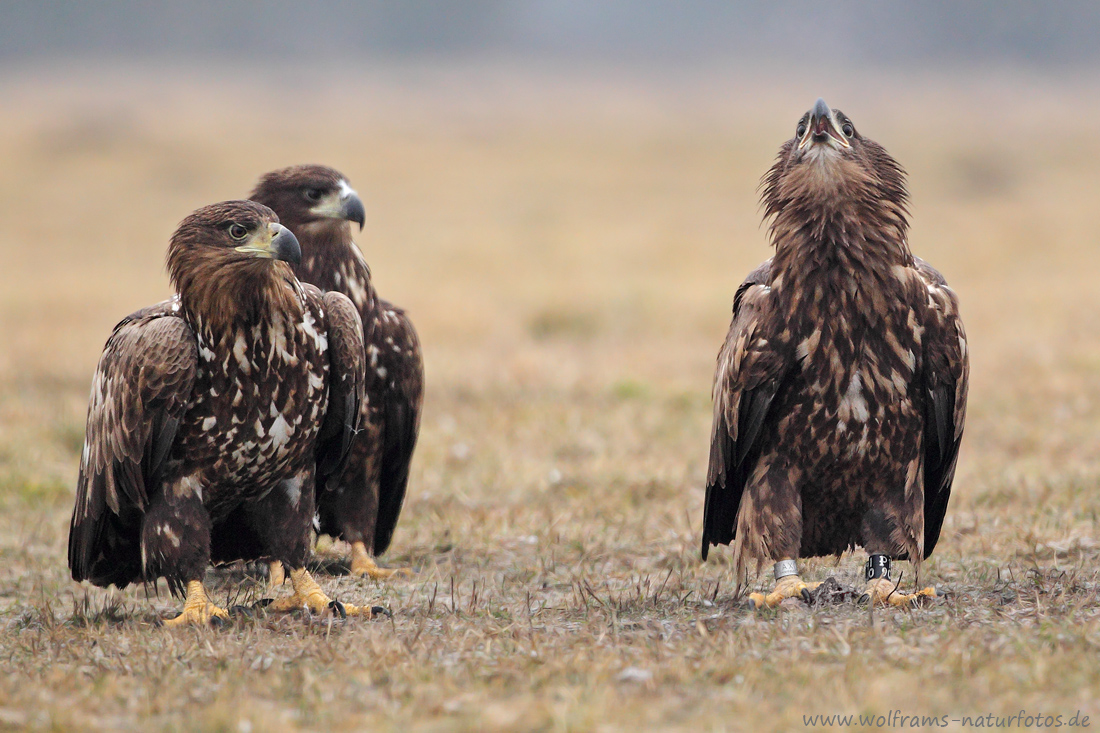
840 392
360 504
213 414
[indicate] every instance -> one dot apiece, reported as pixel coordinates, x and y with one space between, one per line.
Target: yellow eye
238 232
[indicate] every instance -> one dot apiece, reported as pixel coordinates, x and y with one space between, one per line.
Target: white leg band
783 568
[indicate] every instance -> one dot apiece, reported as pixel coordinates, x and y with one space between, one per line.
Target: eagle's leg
882 591
175 544
197 608
276 575
307 594
283 521
788 584
363 565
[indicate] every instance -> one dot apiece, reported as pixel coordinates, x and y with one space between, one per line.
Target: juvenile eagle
360 504
840 392
213 414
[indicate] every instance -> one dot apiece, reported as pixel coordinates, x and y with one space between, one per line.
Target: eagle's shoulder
942 299
149 351
752 351
929 274
148 365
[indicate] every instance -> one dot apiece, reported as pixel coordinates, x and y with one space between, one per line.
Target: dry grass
569 250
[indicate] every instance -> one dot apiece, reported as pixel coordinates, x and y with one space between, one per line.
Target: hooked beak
343 203
822 128
276 242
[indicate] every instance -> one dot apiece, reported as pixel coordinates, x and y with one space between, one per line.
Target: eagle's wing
346 382
944 382
750 370
141 388
395 377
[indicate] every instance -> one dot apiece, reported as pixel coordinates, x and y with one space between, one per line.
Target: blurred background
562 194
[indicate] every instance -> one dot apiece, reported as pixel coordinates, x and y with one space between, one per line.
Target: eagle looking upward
360 504
213 414
840 392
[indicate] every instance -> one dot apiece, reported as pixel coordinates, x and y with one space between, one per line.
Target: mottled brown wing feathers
346 381
749 372
402 393
141 387
945 381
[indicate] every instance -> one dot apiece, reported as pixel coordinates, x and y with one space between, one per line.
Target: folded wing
750 371
944 381
141 388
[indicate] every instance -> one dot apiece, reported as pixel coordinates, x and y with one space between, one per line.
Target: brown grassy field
568 249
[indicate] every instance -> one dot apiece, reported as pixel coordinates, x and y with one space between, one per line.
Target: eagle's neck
241 303
839 226
838 257
332 261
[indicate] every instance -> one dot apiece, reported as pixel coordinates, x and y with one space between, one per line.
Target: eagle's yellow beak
274 242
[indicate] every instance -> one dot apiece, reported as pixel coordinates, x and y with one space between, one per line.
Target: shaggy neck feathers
838 224
220 298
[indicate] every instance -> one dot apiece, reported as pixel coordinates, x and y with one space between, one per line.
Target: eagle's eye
848 130
238 231
800 130
313 194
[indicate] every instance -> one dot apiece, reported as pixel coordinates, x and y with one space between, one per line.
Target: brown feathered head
232 257
310 196
830 175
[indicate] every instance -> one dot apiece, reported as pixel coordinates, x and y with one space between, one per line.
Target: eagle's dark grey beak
284 246
822 128
352 210
820 118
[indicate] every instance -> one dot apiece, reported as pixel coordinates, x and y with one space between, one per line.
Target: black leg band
878 566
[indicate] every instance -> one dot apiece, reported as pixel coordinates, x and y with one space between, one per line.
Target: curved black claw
863 599
240 610
217 622
751 604
380 611
263 603
807 596
338 609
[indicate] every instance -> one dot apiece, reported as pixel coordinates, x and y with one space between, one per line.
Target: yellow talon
363 565
790 586
197 608
307 594
882 592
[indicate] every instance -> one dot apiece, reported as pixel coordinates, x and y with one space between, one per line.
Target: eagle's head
311 198
230 250
828 168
